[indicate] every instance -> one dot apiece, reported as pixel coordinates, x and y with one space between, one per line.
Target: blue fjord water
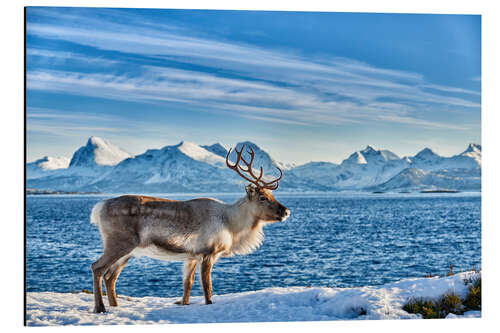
341 240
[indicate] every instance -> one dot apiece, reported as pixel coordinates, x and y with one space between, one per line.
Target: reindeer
197 231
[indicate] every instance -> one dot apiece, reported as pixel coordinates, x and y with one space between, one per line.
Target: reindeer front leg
189 270
206 276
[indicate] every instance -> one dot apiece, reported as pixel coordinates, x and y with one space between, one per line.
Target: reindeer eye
262 198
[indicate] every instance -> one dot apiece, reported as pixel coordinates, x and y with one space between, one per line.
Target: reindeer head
259 192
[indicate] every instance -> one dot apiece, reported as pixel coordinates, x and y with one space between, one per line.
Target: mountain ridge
188 167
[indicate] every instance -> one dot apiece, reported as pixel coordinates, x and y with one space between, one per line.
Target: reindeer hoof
99 309
180 302
208 302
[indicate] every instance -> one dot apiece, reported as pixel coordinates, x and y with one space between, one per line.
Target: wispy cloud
69 56
452 89
421 122
264 84
275 120
65 123
35 113
64 130
245 98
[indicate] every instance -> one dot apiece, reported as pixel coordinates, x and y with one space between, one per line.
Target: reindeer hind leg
114 250
111 277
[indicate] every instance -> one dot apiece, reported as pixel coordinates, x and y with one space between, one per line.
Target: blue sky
303 85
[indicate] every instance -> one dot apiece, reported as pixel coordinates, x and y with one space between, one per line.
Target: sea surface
336 240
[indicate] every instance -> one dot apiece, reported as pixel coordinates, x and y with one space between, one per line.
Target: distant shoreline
34 191
202 194
440 191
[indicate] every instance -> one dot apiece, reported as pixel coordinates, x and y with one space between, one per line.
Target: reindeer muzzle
284 214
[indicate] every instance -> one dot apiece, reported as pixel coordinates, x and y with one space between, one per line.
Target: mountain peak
355 158
370 155
369 149
473 148
262 158
98 152
425 153
187 145
473 152
95 141
188 148
247 144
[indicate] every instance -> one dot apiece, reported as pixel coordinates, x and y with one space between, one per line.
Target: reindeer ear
251 190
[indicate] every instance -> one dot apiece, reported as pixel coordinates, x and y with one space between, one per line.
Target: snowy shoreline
267 305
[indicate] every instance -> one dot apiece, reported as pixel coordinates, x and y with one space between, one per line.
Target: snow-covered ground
273 304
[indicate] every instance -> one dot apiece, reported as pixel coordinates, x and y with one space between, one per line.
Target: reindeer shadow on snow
197 231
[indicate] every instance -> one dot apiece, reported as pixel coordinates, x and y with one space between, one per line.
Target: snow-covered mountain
381 170
473 151
426 159
43 166
361 169
412 179
98 152
319 170
188 167
262 158
429 161
185 167
51 163
469 159
427 170
368 167
91 161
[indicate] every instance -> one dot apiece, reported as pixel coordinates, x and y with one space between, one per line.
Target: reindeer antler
257 181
